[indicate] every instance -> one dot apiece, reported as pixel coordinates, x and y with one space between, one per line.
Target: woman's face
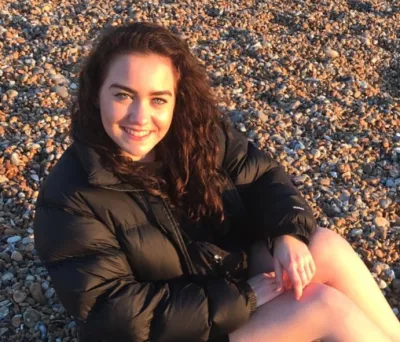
137 101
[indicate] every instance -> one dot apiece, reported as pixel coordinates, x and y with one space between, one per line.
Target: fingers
278 274
300 276
309 271
286 280
296 280
303 272
313 268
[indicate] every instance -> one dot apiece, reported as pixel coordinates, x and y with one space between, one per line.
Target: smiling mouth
138 134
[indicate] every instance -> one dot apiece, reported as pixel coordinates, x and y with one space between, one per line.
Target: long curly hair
192 180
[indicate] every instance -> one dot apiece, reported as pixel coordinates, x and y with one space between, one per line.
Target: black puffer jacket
119 263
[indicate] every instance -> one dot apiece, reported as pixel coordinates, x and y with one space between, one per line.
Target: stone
16 320
15 159
381 222
7 276
14 239
12 93
19 296
62 91
3 331
300 179
49 293
36 292
379 253
382 284
4 311
396 284
325 181
356 232
331 53
31 317
17 256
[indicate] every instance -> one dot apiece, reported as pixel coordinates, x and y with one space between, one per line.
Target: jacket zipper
179 237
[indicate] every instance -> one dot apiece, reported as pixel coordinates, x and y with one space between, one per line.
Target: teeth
136 133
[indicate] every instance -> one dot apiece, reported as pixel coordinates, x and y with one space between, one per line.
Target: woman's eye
159 101
122 96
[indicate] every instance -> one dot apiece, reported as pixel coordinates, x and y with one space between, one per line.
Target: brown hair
192 179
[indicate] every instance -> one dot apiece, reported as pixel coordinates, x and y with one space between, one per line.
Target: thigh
329 250
286 319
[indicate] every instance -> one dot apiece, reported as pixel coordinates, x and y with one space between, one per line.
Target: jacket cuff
270 243
247 290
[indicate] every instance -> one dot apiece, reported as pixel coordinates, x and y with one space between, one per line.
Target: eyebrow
129 90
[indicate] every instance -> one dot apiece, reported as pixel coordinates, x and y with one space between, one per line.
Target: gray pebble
19 296
7 276
17 256
31 317
356 232
4 311
62 91
49 293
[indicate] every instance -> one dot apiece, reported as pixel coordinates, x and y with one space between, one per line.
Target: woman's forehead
143 71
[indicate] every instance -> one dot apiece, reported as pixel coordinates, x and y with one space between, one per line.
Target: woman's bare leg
340 267
321 313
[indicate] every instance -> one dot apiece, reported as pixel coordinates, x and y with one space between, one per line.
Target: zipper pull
218 259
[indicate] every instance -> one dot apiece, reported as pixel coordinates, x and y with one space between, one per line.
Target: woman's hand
293 263
264 287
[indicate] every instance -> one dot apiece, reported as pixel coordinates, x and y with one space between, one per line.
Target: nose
139 113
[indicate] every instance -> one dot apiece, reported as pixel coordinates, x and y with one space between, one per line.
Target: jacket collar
97 174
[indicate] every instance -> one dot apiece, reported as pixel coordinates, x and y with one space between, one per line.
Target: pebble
331 53
4 311
14 239
12 93
36 292
396 284
49 293
382 222
382 284
19 296
17 256
16 320
7 276
15 159
62 91
3 331
31 317
356 232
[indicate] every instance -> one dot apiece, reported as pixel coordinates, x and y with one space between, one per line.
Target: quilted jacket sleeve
95 284
274 204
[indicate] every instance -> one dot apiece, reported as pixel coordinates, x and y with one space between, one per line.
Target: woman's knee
327 300
325 243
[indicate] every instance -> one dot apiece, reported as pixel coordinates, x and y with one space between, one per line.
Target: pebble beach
316 84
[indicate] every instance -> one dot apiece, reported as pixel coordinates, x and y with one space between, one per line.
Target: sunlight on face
137 101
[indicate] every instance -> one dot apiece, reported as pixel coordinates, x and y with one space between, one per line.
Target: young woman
158 222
